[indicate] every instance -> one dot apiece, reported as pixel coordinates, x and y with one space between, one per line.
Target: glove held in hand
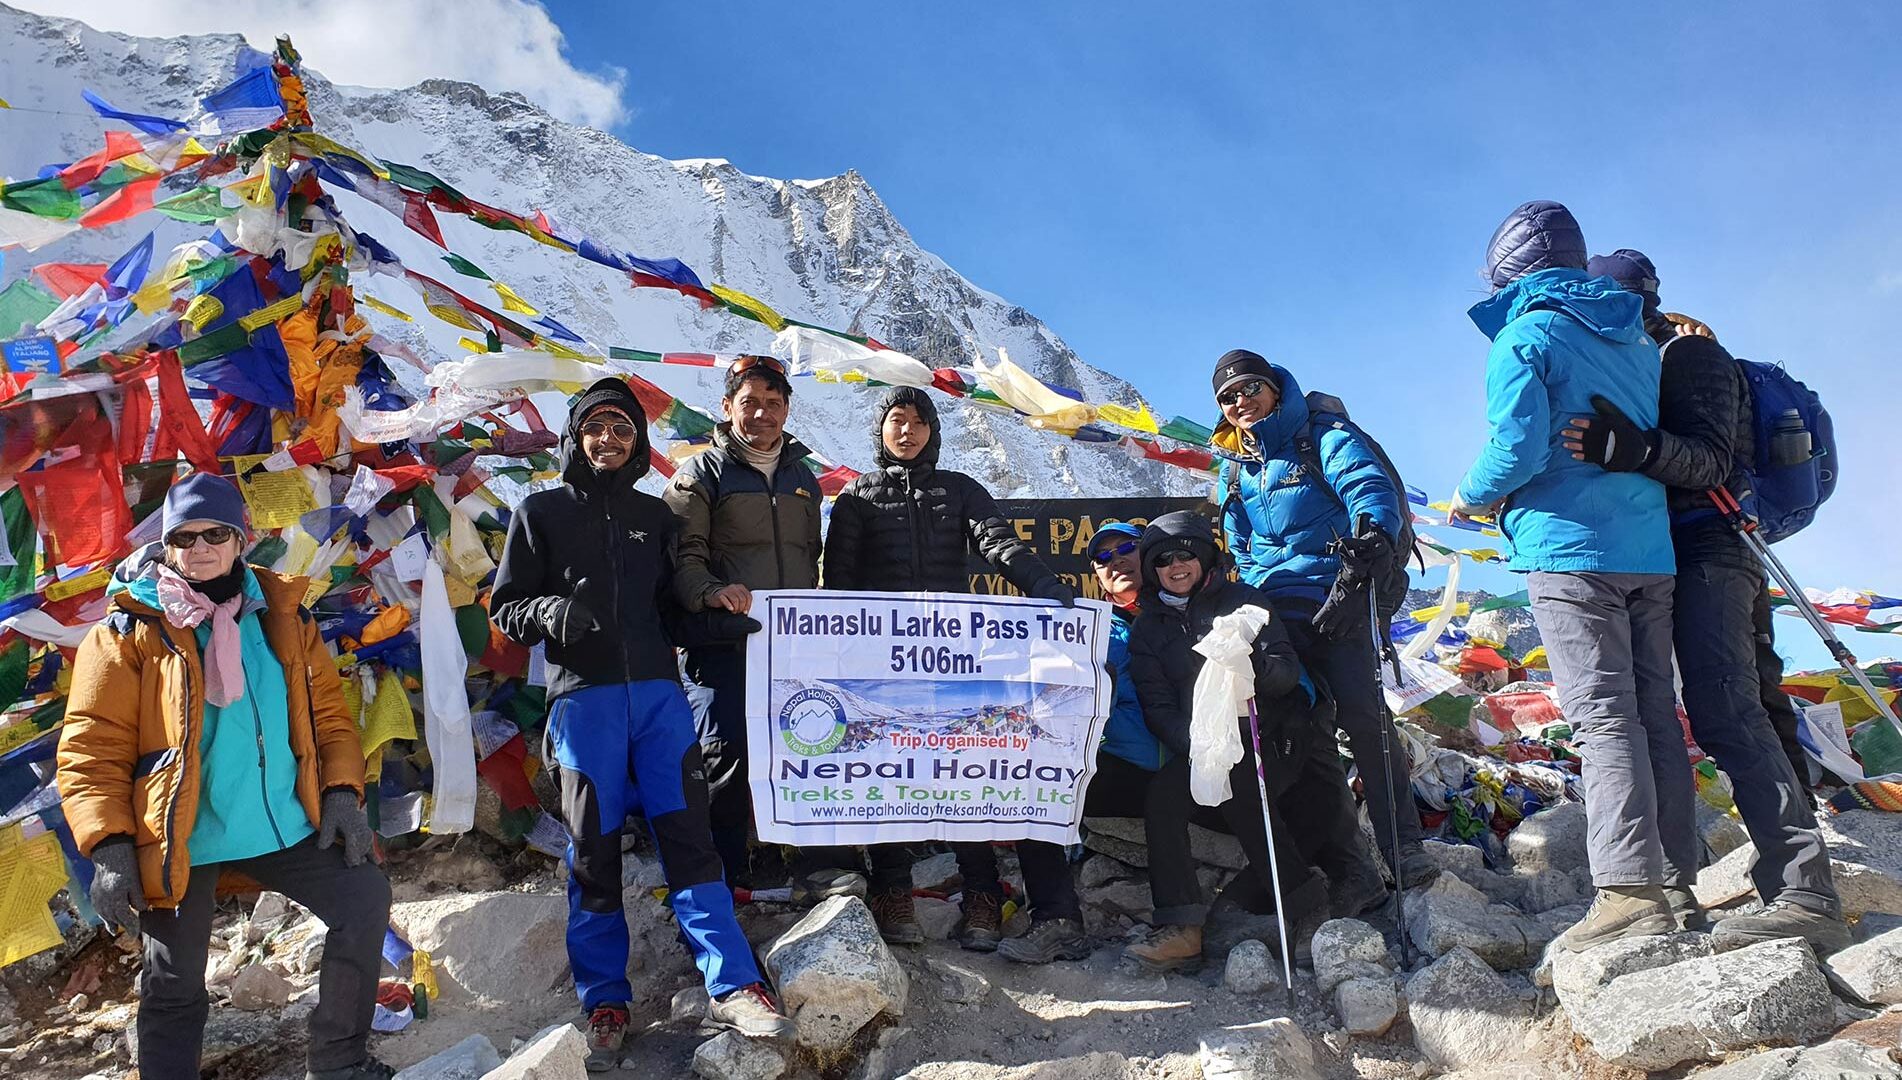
117 894
341 818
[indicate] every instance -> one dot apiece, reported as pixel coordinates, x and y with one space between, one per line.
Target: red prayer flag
128 202
504 770
67 280
833 480
417 215
87 169
80 508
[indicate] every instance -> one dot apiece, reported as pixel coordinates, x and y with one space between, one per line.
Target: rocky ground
1475 1002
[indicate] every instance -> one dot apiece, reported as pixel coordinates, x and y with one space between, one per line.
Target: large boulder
1865 855
1450 914
1350 949
1831 1061
470 1059
835 973
1464 1014
732 1056
1367 1006
1550 889
1269 1050
1552 839
1579 977
555 1053
1705 1007
1873 968
507 947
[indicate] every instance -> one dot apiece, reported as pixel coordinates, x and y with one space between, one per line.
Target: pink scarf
186 607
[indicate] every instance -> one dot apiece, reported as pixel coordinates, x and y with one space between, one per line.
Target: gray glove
341 818
117 894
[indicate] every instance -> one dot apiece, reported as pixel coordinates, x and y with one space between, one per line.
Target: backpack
1327 411
1793 472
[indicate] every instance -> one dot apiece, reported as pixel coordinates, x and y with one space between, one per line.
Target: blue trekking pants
630 749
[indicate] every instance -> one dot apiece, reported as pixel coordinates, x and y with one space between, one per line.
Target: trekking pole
1746 527
1384 653
1274 863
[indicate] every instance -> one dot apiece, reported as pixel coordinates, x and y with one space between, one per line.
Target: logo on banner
812 722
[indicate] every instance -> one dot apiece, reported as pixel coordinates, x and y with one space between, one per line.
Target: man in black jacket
906 527
1704 440
1186 588
587 570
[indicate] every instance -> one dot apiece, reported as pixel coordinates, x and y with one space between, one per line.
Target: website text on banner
879 717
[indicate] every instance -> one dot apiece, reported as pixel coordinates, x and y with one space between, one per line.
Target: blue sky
1160 184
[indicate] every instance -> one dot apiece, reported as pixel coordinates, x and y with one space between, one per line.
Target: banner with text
1059 531
879 717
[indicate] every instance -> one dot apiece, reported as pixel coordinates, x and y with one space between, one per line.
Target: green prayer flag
686 422
45 197
213 345
200 205
615 352
1183 429
1516 600
23 304
421 180
472 625
464 267
16 580
13 663
430 508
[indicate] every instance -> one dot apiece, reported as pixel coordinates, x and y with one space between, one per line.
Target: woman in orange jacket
206 732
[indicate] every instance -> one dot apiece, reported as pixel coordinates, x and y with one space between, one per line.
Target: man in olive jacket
749 512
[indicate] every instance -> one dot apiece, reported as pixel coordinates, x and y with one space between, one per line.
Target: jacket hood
1172 530
1539 235
575 470
134 583
927 458
1597 303
1273 431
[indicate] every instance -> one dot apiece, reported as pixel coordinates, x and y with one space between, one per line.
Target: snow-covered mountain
827 252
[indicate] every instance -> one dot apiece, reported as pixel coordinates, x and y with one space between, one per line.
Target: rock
1578 977
470 1059
689 1006
834 973
1873 968
503 946
1366 1006
555 1053
938 917
1251 969
306 955
1499 888
1727 879
1216 849
1451 914
1865 855
1269 1050
1550 889
1131 898
1721 833
1461 859
959 984
1464 1014
1128 852
882 1063
1101 870
1349 949
732 1056
1560 919
1830 1061
1872 924
79 1004
1552 839
936 872
1704 1007
1126 829
258 988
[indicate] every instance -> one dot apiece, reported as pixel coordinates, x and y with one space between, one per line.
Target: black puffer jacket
1163 662
1704 439
594 526
908 524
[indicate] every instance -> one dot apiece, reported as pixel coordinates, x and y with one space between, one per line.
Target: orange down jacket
128 752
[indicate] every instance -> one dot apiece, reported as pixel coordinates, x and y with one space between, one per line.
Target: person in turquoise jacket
1596 550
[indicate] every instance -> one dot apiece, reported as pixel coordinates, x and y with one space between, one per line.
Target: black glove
116 893
731 626
1611 441
1052 587
1361 558
566 619
341 820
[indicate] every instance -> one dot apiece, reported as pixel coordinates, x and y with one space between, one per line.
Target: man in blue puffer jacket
1282 522
1596 549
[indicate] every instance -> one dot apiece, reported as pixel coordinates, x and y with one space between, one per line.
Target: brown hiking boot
983 923
1620 911
897 917
607 1031
1168 948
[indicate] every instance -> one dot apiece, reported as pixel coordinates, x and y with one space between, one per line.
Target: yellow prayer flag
271 313
204 310
96 578
387 716
480 348
4 105
378 305
513 302
31 871
1138 419
774 320
277 499
456 317
1535 659
555 348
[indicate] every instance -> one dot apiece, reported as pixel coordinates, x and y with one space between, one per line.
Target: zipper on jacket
917 534
264 780
184 748
616 559
772 503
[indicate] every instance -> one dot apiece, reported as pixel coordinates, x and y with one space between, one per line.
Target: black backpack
1327 411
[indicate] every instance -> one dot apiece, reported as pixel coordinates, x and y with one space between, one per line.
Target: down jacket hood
921 401
1599 304
1182 528
575 470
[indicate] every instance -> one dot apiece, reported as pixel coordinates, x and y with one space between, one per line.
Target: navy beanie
1239 364
204 497
1539 235
1632 270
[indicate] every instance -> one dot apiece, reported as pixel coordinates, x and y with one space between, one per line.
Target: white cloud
499 44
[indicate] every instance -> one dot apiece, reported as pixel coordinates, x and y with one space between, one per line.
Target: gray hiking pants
1608 639
1716 654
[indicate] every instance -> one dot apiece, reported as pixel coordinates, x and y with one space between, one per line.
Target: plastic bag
1222 691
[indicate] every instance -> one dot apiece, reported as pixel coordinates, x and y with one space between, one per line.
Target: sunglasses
186 538
1109 554
1245 390
748 363
620 430
1171 558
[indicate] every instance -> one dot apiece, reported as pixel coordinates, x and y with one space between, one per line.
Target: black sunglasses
1247 389
1106 555
215 535
619 430
1170 558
